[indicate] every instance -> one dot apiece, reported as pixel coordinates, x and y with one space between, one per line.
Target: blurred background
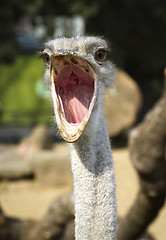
136 30
34 168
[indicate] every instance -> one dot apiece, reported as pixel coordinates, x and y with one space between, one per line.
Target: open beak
74 89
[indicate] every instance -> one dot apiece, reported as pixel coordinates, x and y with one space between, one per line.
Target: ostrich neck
94 185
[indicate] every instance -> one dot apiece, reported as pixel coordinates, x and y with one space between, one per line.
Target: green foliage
135 28
21 104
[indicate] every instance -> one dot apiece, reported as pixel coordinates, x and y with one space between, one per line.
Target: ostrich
77 73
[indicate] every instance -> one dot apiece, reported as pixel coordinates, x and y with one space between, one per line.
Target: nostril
74 60
61 90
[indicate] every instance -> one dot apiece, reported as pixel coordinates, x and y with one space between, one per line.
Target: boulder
122 103
12 166
40 138
52 167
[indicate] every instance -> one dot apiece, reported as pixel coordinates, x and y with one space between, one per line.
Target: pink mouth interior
74 88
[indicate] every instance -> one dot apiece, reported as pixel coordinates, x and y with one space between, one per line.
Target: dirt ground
29 199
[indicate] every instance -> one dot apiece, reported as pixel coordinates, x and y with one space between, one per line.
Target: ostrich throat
94 186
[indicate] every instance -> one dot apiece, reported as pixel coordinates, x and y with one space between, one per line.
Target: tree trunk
147 144
57 224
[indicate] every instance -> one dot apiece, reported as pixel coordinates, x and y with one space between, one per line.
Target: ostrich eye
46 59
100 55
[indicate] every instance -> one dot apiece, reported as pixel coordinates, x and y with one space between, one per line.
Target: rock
49 167
13 167
53 167
40 138
122 104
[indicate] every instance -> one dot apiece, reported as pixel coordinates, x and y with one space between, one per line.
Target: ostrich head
76 71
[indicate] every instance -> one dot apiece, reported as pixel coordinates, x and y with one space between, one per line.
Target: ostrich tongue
74 88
